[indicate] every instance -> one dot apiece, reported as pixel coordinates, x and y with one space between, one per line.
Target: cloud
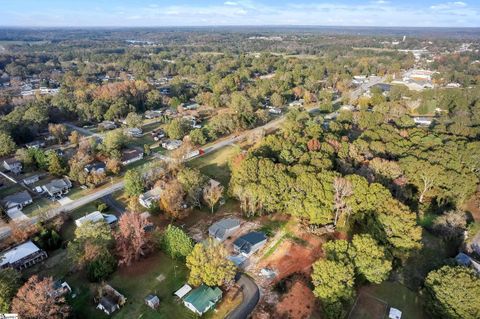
230 3
448 5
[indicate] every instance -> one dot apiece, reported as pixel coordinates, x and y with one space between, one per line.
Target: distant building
131 155
57 187
22 256
134 132
60 288
250 243
151 114
422 120
222 229
13 165
35 144
96 167
152 301
107 125
96 217
17 201
171 144
202 299
146 199
110 300
31 179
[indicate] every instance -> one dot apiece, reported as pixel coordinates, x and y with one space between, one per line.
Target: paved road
82 130
5 231
114 204
251 296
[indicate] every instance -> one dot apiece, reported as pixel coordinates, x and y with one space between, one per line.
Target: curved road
251 296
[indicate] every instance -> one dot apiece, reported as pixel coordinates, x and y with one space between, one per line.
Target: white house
146 199
171 145
22 256
96 217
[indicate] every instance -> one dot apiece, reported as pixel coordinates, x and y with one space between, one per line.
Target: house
13 165
22 256
57 187
31 179
190 106
146 199
467 261
35 144
96 167
422 120
222 229
96 217
110 300
202 299
131 155
17 201
249 243
171 144
182 292
107 125
60 288
274 110
134 132
296 103
152 114
152 301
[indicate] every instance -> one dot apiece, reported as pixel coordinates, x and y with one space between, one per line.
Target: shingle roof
18 252
245 242
18 198
220 228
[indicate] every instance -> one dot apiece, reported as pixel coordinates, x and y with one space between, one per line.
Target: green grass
216 164
39 206
135 286
398 296
272 226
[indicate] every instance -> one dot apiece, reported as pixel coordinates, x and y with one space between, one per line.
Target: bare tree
212 194
343 188
35 300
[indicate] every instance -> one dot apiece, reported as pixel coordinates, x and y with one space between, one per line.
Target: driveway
113 204
251 296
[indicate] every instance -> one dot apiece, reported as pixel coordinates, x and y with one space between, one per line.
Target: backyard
216 164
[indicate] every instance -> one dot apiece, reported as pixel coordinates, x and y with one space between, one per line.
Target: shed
394 313
152 301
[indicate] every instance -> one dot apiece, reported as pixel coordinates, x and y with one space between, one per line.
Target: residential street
251 296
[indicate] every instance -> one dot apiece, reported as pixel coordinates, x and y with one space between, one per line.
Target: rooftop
18 252
203 297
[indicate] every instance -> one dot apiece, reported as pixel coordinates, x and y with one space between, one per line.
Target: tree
176 242
452 293
177 128
101 267
333 284
197 136
422 174
208 264
9 284
131 238
113 166
59 131
34 300
212 194
192 182
7 145
113 141
277 100
55 165
133 183
133 120
343 189
370 258
172 200
451 224
74 137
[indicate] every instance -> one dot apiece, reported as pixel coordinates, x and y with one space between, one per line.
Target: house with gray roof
22 256
249 243
57 187
13 165
223 228
17 201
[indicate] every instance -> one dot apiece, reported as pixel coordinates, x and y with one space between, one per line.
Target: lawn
216 164
395 295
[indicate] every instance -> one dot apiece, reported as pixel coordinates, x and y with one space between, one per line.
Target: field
392 294
216 163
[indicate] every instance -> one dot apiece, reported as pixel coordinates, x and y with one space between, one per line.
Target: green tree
7 145
333 284
113 141
133 120
134 185
198 137
55 164
9 284
208 264
101 267
370 258
176 242
177 128
453 292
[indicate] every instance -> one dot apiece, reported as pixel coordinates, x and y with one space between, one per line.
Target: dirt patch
297 303
473 206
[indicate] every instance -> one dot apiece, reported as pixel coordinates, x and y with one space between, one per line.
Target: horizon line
233 25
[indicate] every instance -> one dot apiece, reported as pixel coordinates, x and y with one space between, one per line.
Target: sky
90 13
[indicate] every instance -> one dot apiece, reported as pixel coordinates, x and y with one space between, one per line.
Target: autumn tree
58 131
74 137
9 284
176 242
56 165
131 239
212 193
113 166
452 293
192 182
133 120
208 264
172 200
34 300
343 189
